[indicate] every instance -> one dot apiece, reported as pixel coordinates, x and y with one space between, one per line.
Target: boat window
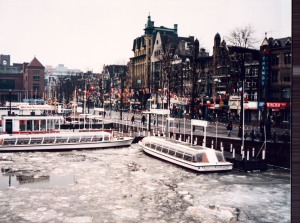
106 138
220 156
98 138
179 155
152 146
171 152
73 139
201 157
9 141
61 139
48 140
86 138
187 157
164 150
36 140
158 147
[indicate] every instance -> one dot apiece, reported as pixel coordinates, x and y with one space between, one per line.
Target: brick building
21 80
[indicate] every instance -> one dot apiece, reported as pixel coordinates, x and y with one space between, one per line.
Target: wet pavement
126 185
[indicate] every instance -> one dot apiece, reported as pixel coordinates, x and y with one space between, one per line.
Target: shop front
279 111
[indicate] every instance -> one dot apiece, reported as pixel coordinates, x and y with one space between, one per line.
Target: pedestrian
229 128
132 119
252 135
104 113
143 119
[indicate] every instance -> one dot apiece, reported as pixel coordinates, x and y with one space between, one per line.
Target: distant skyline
88 34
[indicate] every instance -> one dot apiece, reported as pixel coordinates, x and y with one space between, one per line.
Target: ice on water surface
126 185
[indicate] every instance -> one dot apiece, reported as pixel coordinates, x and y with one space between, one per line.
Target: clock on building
4 62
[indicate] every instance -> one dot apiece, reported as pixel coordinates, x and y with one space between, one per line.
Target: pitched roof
35 63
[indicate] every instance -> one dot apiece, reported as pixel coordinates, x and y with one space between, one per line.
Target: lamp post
9 101
217 81
242 78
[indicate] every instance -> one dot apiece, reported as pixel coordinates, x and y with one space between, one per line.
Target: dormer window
288 42
276 44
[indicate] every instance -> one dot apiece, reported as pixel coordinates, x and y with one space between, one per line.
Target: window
36 87
286 93
287 58
275 59
275 94
274 76
171 152
7 84
286 79
36 77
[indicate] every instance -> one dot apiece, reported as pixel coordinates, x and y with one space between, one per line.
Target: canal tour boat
61 141
197 158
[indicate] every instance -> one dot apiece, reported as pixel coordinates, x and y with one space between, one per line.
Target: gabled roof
35 63
280 42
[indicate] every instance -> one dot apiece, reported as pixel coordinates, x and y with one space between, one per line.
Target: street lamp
9 101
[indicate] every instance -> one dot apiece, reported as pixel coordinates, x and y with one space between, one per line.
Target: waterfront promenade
181 125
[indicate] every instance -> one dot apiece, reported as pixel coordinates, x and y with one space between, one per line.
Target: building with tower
140 64
21 80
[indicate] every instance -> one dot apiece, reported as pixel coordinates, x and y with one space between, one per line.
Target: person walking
229 128
143 119
132 119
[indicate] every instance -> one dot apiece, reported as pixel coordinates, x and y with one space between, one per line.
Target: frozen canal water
126 185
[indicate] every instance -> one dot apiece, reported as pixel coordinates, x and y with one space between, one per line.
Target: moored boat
200 159
61 141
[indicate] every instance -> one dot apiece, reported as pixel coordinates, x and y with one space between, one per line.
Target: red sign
279 105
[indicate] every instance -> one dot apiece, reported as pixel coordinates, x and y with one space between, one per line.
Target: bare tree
242 37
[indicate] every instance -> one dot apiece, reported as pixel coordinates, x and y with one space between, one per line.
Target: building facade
140 64
33 79
275 93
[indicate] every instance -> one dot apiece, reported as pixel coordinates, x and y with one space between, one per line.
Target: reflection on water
32 181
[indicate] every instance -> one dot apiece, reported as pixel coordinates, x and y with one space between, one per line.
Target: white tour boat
61 141
198 158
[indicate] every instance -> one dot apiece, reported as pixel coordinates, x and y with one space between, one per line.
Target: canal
126 185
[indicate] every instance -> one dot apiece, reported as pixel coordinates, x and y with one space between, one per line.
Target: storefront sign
251 105
265 68
235 98
234 105
34 107
261 105
279 105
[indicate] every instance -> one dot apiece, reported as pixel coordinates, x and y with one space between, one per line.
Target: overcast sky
86 34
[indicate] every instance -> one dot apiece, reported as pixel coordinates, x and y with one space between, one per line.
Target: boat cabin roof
178 147
62 134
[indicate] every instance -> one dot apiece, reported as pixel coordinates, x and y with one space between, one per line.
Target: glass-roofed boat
200 159
61 141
